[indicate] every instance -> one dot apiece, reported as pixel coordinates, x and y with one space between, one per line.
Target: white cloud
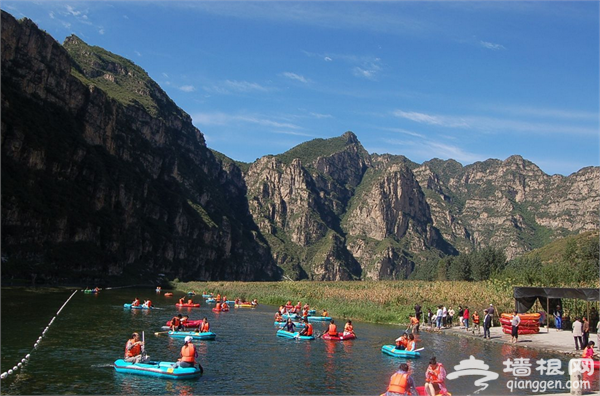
72 11
492 46
294 76
187 88
51 14
101 31
220 118
320 116
166 75
327 59
452 122
234 86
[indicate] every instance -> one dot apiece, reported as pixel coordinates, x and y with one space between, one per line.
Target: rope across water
24 360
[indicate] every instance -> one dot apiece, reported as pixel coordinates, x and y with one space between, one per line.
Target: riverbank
384 302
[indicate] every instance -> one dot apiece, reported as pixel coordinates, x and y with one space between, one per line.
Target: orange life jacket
434 374
135 303
414 320
403 342
332 329
349 328
181 301
205 327
134 351
475 318
190 302
175 321
398 383
309 330
148 303
218 306
218 297
410 345
188 353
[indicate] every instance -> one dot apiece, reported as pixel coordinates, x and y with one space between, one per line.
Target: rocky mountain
103 176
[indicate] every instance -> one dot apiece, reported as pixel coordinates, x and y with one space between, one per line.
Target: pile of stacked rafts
530 323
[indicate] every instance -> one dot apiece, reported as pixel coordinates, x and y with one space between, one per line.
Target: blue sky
462 80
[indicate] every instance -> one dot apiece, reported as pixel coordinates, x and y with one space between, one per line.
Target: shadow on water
76 354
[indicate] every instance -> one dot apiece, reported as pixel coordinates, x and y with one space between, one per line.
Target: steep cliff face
102 174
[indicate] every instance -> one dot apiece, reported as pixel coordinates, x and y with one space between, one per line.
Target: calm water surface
76 354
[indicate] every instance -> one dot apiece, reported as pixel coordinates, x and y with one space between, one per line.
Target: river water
76 353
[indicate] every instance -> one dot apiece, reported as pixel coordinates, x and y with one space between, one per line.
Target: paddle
161 332
143 347
418 350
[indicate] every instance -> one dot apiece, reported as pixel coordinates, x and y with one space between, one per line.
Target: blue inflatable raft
281 324
207 295
129 306
319 318
211 300
157 369
296 335
392 351
207 335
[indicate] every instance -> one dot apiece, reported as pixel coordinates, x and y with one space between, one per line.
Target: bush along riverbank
388 302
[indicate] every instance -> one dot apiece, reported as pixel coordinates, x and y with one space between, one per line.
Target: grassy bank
376 302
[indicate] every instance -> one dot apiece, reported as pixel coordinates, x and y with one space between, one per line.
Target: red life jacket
134 351
188 353
175 321
332 329
309 329
398 383
205 327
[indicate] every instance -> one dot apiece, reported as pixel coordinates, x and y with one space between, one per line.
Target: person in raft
278 317
224 307
147 304
348 329
435 378
204 326
136 302
324 314
176 324
411 344
133 349
289 326
332 329
181 301
255 302
188 355
308 329
402 341
401 382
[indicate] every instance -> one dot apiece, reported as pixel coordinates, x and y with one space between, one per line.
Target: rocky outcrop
103 181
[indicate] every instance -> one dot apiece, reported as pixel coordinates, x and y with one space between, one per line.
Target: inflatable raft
319 318
521 331
392 351
296 335
168 294
244 305
207 295
129 306
281 324
157 369
211 300
187 323
339 337
220 310
207 335
187 305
